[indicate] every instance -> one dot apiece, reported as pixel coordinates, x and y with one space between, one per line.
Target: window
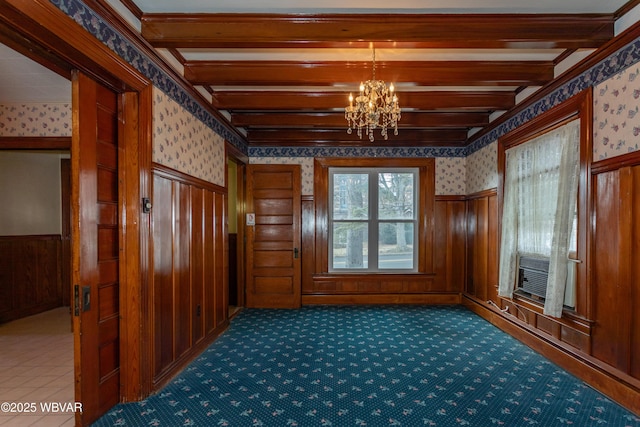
539 214
373 219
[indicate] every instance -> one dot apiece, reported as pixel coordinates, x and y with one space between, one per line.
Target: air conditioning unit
532 276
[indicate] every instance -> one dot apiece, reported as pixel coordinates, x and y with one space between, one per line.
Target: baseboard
370 299
616 388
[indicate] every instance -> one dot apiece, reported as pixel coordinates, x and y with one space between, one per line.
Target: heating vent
532 276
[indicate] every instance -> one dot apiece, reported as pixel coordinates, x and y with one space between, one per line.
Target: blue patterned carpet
370 366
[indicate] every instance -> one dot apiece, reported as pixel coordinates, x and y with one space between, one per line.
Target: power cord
506 309
503 310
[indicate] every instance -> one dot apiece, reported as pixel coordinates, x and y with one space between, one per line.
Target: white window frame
373 222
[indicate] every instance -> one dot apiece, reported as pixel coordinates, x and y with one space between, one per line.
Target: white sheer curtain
541 181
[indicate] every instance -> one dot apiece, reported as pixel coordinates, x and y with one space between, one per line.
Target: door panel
273 243
96 243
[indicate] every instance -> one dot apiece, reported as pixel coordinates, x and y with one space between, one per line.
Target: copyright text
40 407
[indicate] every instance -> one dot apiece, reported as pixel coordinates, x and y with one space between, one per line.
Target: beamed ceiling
283 79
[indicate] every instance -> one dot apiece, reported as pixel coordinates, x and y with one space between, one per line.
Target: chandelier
376 106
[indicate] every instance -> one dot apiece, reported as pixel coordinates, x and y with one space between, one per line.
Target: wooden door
95 248
273 243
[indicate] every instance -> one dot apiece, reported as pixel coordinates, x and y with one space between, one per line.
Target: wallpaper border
357 152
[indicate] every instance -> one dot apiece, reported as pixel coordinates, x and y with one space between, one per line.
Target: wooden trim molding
35 143
174 175
450 198
360 299
481 194
235 153
614 163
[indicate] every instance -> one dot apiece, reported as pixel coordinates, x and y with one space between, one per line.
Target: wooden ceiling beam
452 138
201 30
327 101
422 73
337 120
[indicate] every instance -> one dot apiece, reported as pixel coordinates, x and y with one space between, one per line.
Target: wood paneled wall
450 243
604 347
482 246
189 295
616 268
444 285
441 241
30 275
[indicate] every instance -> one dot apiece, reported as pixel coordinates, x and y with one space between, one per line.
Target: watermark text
40 407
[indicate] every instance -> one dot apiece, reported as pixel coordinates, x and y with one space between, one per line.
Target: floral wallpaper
36 119
482 169
184 143
306 164
616 121
451 176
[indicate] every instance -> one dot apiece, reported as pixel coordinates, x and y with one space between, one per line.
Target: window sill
371 275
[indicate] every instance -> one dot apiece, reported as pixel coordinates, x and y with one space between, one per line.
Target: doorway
36 343
235 227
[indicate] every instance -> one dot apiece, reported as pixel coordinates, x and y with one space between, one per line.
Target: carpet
370 366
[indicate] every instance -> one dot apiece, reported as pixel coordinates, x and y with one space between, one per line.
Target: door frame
241 160
44 33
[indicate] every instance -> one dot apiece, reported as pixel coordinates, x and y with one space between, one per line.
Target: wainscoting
30 275
189 300
442 285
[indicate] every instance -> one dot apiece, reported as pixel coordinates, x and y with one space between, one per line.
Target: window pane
395 195
395 245
350 240
350 196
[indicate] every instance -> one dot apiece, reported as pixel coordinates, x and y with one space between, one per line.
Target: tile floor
36 366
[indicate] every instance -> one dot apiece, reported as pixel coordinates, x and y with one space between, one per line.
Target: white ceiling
25 81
